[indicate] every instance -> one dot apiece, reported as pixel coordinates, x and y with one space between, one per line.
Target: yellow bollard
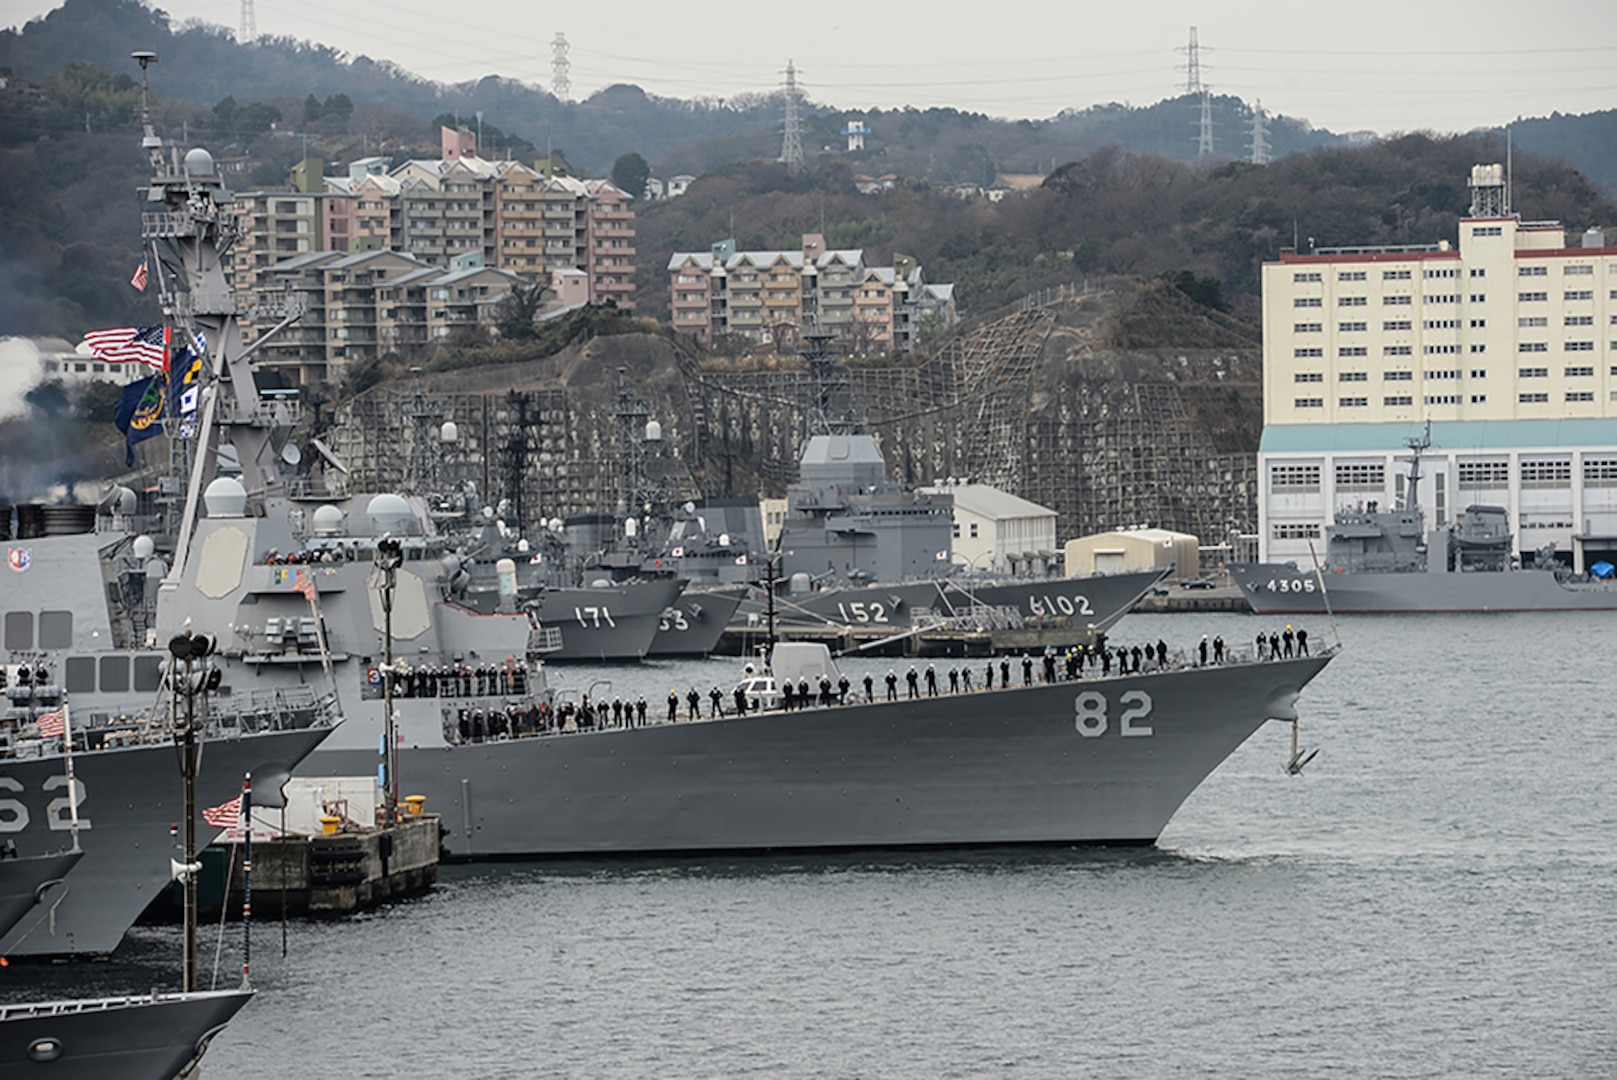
416 803
328 825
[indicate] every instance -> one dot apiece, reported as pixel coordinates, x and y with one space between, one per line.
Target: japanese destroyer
1385 561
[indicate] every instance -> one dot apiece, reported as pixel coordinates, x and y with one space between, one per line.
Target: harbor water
1436 895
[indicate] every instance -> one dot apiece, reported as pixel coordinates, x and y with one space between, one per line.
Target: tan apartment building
1506 342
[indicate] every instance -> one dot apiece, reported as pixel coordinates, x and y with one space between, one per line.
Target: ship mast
1418 445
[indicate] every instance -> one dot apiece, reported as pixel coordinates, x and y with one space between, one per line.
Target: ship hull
129 799
693 625
24 883
140 1038
617 622
1282 589
994 767
1099 601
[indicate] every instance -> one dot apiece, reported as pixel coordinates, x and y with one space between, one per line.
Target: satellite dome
654 431
198 162
225 497
144 548
389 513
328 521
449 432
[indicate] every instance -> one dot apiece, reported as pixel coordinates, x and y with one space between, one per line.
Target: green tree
311 109
630 172
515 316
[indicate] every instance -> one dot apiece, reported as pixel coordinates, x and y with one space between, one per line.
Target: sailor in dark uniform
693 701
931 681
673 706
842 689
716 698
892 685
1302 642
870 688
1027 670
912 678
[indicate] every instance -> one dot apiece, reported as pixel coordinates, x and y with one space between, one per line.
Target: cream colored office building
1506 343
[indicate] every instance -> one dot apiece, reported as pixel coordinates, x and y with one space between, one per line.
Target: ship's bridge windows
55 629
114 674
19 630
1368 476
80 674
148 673
1293 477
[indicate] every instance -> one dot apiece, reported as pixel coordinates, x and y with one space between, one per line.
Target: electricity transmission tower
791 145
1195 87
249 23
560 84
1260 141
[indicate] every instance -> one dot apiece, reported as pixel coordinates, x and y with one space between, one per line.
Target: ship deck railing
29 1010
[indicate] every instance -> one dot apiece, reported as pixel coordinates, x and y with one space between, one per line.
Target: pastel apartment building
774 296
1506 342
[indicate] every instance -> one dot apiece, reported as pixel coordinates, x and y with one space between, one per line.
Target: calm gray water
1435 896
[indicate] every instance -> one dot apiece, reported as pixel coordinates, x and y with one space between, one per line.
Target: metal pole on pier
389 557
247 882
189 675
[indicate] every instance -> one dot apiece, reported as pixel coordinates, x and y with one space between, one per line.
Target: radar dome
449 432
328 521
198 162
225 497
654 431
389 513
144 548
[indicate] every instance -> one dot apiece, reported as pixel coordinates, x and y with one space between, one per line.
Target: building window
1442 399
1353 376
1307 353
1307 301
1580 395
1600 472
957 530
1397 376
1578 294
1441 324
1396 301
1295 530
1529 321
1396 324
1352 402
1448 373
1308 376
1577 270
1396 400
1531 271
1307 328
1352 350
1395 275
1478 271
1578 320
1445 272
1352 301
1532 346
1479 373
1395 350
1440 350
1532 399
1533 373
1442 298
1578 346
1309 403
1579 372
974 530
1478 324
1350 275
1478 347
1351 327
1479 399
1484 473
1293 477
1532 297
1550 472
1307 276
1369 477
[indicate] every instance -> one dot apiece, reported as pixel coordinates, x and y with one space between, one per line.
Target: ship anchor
1299 757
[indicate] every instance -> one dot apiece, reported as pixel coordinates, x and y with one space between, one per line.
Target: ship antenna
149 141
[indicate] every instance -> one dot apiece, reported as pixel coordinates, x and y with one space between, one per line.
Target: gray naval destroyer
1380 561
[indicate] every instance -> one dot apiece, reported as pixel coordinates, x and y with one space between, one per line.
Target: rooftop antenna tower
1260 131
791 146
249 24
560 84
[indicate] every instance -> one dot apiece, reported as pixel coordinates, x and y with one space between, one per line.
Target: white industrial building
1506 344
995 530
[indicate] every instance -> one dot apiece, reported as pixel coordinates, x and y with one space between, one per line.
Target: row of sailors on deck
460 680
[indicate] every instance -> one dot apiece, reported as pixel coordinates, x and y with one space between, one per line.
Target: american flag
142 344
225 815
303 583
139 280
53 724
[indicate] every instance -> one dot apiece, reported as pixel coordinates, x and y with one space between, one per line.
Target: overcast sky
1381 65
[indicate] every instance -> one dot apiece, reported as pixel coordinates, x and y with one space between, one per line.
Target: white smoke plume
21 369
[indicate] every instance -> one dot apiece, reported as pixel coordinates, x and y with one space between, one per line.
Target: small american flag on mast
53 724
225 815
139 280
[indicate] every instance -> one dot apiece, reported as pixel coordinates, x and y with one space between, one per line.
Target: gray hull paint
130 798
991 767
614 623
24 882
142 1038
1101 600
1282 589
695 622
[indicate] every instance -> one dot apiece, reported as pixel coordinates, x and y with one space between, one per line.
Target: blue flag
140 414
